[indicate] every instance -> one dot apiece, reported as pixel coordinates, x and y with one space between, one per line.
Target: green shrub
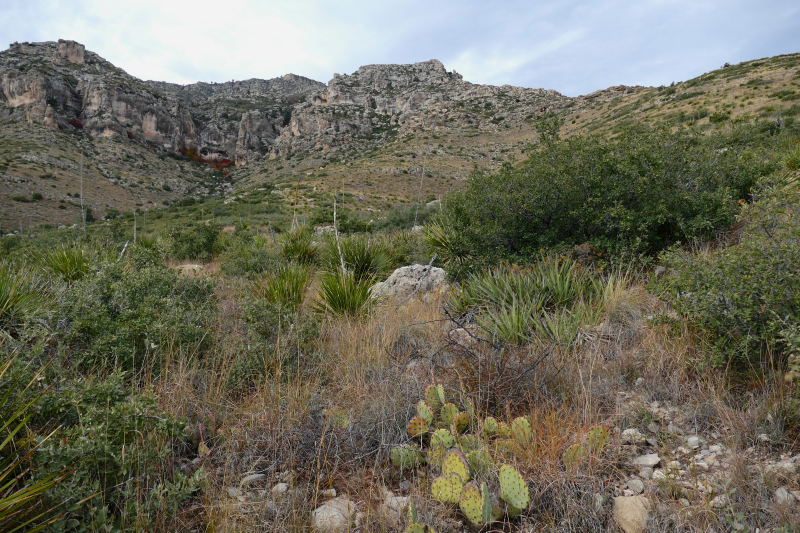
20 198
249 256
70 263
200 241
638 193
121 450
22 296
126 315
286 286
744 296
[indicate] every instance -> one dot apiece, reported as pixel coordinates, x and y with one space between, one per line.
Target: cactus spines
406 457
521 430
447 488
471 503
425 412
456 463
442 437
435 396
417 427
448 414
598 439
490 427
513 489
461 422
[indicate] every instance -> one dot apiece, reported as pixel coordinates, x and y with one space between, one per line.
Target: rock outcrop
405 280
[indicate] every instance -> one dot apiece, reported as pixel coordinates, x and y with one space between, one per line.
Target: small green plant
298 245
69 263
22 295
364 256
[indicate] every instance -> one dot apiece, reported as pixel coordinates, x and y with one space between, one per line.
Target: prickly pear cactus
417 427
425 412
442 437
406 457
448 414
597 439
471 503
503 430
468 443
574 455
447 488
513 489
461 422
479 461
435 396
490 427
521 430
416 527
456 463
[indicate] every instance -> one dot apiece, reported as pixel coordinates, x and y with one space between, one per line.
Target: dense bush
248 253
197 242
745 297
126 315
638 193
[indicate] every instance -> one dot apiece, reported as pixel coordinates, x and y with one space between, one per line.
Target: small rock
716 448
280 488
702 466
693 442
632 436
628 492
646 473
599 500
405 485
659 475
648 460
631 512
639 382
764 438
334 516
328 493
674 465
720 501
392 508
636 485
684 502
652 442
784 497
653 427
252 478
233 493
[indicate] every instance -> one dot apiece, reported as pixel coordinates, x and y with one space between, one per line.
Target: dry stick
419 283
336 231
273 236
422 177
123 251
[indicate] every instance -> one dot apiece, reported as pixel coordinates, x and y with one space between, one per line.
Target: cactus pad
448 414
461 422
425 412
513 489
447 488
406 457
455 463
503 430
479 461
468 443
442 437
597 439
521 430
513 512
490 426
471 503
435 396
574 455
417 427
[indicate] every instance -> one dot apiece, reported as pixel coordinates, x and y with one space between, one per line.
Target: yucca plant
21 499
560 279
298 245
21 295
341 293
512 324
497 288
367 258
286 286
442 240
70 263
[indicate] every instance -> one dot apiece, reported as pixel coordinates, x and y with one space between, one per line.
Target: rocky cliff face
61 85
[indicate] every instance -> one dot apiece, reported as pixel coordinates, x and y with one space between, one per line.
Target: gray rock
632 436
636 485
646 473
631 513
692 441
720 501
280 488
784 497
648 460
335 516
252 478
404 281
393 507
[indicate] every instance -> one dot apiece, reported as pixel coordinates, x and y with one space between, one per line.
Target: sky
575 47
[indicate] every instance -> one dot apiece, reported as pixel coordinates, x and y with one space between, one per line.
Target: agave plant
298 245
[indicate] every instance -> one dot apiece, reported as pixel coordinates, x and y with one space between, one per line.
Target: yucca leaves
341 293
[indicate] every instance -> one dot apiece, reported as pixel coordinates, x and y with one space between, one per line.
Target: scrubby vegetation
609 300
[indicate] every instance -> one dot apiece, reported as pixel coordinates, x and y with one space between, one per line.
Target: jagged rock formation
61 85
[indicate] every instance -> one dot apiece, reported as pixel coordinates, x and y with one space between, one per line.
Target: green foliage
298 245
22 296
246 256
366 257
120 448
69 263
341 293
286 286
126 315
346 221
742 296
200 241
640 192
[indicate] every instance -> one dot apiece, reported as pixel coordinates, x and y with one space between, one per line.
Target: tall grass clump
367 257
286 286
22 295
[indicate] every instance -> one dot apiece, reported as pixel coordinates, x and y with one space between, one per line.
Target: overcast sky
575 47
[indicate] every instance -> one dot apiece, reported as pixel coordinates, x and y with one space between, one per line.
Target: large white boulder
405 280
